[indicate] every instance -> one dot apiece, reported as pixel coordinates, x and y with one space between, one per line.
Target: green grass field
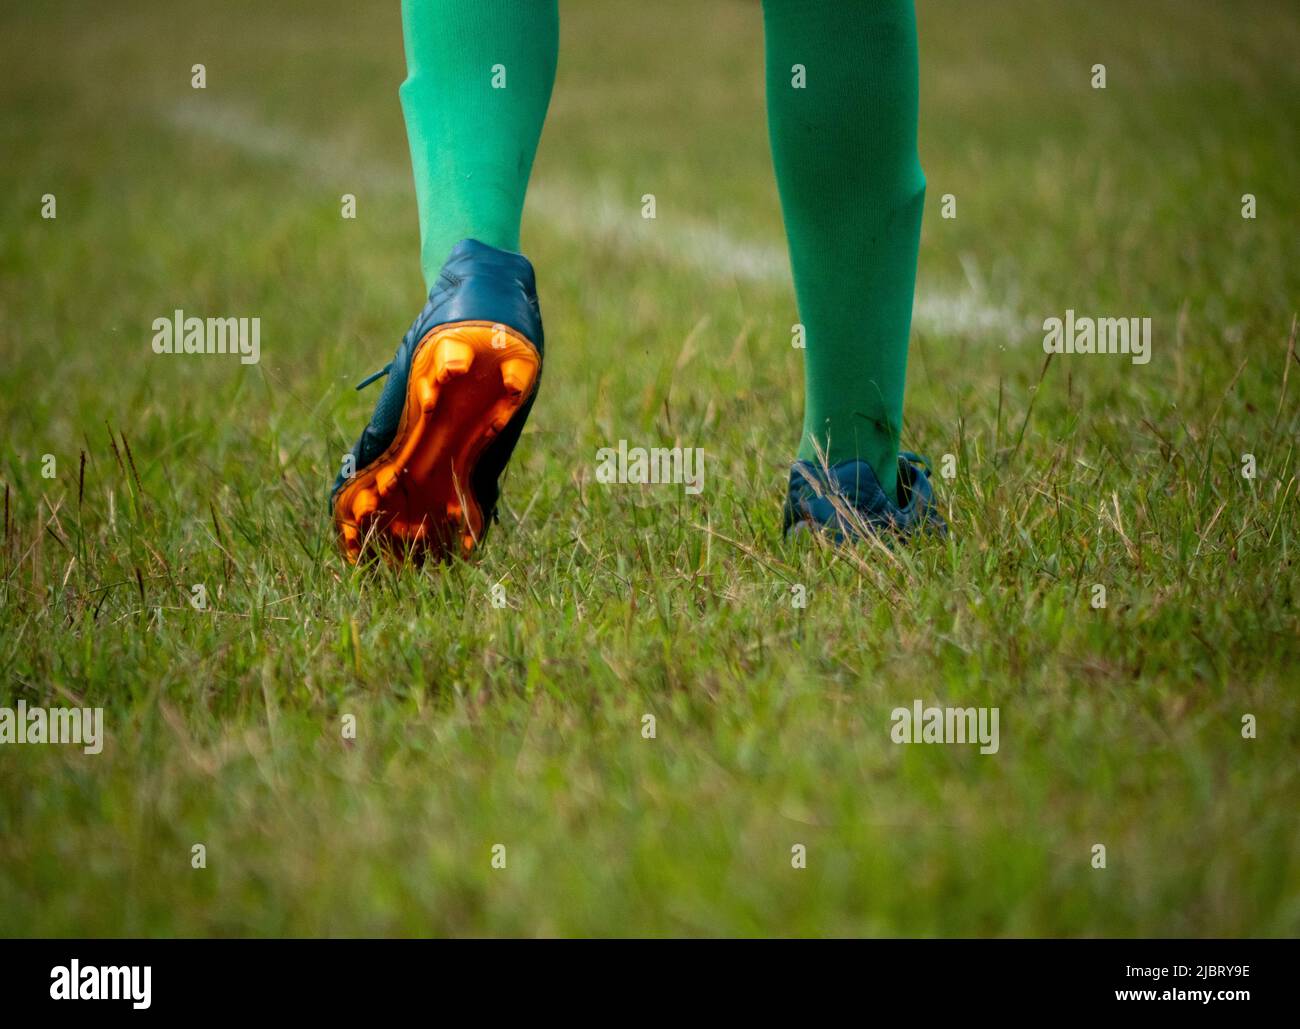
522 725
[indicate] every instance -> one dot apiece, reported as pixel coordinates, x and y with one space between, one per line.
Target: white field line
593 214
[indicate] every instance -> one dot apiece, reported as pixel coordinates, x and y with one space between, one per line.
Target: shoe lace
375 376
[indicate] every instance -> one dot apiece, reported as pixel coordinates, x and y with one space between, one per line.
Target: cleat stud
428 395
453 511
501 416
365 503
452 357
517 375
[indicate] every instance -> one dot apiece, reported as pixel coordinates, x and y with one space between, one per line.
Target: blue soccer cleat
423 478
846 502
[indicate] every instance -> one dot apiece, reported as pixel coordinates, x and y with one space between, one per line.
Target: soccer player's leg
423 476
842 98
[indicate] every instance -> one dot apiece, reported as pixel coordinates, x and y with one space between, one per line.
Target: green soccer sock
842 115
479 78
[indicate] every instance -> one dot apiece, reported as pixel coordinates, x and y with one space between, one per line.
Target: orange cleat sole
467 380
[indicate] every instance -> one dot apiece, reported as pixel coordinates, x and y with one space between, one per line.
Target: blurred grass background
522 726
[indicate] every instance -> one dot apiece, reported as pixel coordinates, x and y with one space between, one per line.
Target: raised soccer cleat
424 473
846 501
